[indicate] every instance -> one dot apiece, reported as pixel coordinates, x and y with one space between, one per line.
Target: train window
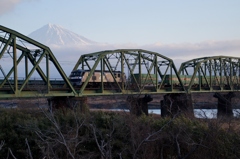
76 73
119 75
94 77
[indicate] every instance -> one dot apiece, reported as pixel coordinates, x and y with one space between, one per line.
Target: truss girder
19 49
140 71
212 74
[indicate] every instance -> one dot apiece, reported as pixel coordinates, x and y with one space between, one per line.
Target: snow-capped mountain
55 35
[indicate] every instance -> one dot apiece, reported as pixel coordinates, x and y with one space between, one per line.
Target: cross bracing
212 74
20 55
141 71
26 68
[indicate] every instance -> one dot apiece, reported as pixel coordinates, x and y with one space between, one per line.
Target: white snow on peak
52 34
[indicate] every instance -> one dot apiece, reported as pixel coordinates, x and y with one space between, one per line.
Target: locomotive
78 77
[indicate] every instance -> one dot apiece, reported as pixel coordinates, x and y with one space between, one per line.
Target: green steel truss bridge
212 74
26 67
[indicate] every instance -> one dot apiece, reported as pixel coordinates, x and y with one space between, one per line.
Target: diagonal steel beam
110 70
89 75
7 43
31 72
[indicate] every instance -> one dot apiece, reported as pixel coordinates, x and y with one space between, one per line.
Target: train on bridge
202 80
78 77
128 71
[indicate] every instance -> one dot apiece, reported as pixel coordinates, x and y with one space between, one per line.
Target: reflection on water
205 113
198 113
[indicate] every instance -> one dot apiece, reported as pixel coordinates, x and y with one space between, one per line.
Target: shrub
113 135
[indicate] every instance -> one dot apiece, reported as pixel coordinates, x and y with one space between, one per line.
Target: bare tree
103 141
29 149
68 137
152 137
181 138
1 145
10 153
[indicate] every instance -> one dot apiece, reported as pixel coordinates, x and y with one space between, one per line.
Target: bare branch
95 137
10 151
2 144
148 138
29 150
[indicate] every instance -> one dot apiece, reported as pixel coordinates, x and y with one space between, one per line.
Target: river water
198 113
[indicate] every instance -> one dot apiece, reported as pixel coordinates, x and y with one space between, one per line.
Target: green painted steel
141 70
147 79
27 55
174 80
110 72
212 74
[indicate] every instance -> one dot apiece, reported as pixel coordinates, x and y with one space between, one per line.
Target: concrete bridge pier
139 105
224 104
175 103
63 103
81 103
56 103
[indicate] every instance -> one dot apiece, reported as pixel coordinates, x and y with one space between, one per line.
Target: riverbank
199 100
71 134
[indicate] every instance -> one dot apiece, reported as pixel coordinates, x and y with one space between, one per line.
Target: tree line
108 135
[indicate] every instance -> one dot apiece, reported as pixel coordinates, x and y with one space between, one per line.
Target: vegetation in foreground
44 134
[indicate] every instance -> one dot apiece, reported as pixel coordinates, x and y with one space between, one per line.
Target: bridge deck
110 72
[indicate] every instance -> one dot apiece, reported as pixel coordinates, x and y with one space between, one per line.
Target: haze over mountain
66 45
69 46
55 35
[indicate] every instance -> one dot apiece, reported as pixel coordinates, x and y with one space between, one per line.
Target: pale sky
176 26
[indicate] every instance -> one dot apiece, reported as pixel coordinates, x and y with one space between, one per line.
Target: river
198 113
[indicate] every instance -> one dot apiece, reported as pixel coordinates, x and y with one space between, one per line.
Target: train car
169 80
146 79
78 77
186 79
216 80
206 80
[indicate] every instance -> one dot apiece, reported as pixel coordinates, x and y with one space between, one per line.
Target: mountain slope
52 34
